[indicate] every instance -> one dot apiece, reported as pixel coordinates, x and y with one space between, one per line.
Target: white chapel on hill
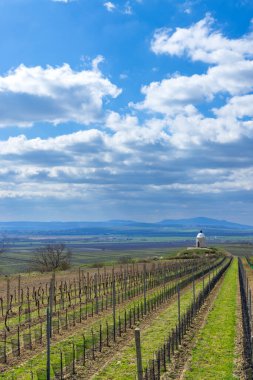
201 240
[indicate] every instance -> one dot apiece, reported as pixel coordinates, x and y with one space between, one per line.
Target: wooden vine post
51 300
8 292
194 293
48 342
144 289
138 353
209 277
179 312
114 304
19 288
96 291
178 304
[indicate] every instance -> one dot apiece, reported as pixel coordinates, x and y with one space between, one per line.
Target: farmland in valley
108 242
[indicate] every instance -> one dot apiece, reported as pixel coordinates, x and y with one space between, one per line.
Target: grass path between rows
214 356
123 365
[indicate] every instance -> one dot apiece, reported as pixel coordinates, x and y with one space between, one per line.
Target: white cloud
130 135
187 131
110 6
237 107
127 158
231 181
201 43
170 95
21 144
230 72
130 158
228 82
125 8
53 94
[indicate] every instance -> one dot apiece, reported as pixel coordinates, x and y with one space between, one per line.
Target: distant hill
114 226
203 222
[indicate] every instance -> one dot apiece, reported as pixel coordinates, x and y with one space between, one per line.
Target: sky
138 109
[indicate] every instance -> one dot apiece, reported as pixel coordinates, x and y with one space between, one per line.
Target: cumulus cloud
169 95
224 90
201 43
53 94
189 131
21 144
109 6
238 107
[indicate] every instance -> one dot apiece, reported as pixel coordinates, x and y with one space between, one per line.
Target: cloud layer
178 144
54 95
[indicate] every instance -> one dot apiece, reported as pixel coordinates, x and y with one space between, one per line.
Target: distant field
19 262
88 249
91 249
18 255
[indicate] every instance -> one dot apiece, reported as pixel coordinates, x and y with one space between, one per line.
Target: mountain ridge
197 222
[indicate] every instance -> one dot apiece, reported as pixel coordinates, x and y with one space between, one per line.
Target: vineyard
156 320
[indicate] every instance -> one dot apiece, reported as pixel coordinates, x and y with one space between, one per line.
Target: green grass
123 366
195 252
214 356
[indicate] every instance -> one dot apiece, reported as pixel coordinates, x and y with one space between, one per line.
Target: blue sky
138 109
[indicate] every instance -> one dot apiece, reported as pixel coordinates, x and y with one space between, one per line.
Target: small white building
201 240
